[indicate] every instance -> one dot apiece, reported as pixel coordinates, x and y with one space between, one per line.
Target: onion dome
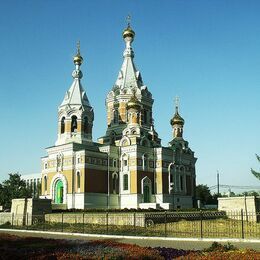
177 119
77 59
134 103
128 33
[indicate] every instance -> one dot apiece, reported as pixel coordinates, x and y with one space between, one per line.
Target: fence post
83 222
12 220
43 223
107 221
242 225
27 214
62 222
165 224
201 224
134 222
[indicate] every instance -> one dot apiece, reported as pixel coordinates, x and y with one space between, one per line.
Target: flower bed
14 247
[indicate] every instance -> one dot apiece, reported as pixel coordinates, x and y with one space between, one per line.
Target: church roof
76 95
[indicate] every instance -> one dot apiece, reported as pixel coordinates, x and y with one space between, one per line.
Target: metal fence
162 224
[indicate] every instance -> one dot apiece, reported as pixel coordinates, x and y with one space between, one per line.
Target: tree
13 188
203 193
257 174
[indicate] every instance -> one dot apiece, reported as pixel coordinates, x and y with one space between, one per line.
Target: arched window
74 124
78 180
124 161
144 161
62 125
115 116
45 183
85 126
125 182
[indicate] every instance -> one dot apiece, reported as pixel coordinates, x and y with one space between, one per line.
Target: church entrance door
147 197
59 192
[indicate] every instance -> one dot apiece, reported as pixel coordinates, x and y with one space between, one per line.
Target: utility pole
218 182
108 180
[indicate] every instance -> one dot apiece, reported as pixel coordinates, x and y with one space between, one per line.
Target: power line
233 186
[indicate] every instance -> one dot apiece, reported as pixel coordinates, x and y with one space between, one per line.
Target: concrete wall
234 205
5 217
24 211
98 218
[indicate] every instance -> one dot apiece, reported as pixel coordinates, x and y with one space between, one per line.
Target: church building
127 167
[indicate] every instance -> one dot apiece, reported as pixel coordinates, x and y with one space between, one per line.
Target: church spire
129 76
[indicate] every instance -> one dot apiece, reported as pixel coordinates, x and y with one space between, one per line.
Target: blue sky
206 52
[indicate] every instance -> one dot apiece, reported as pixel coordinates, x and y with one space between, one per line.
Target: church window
115 116
181 182
45 183
85 125
125 162
74 124
145 161
125 182
78 180
62 125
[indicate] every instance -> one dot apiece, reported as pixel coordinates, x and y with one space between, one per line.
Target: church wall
133 181
96 181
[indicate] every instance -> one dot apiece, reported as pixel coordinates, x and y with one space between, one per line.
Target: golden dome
128 32
177 119
134 103
77 59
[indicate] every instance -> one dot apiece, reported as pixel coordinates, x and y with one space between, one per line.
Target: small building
33 182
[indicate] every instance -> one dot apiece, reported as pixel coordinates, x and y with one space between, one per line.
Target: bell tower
75 114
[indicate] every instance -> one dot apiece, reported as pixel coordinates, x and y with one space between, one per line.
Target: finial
77 58
128 33
177 119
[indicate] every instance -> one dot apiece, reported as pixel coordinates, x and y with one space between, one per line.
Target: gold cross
78 47
177 101
128 20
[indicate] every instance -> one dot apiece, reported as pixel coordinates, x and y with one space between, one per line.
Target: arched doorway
59 192
147 190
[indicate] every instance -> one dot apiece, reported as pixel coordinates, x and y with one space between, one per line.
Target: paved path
178 243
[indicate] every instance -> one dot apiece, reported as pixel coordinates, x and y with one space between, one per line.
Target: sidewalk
178 243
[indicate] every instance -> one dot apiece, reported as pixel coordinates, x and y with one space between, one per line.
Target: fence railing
162 224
